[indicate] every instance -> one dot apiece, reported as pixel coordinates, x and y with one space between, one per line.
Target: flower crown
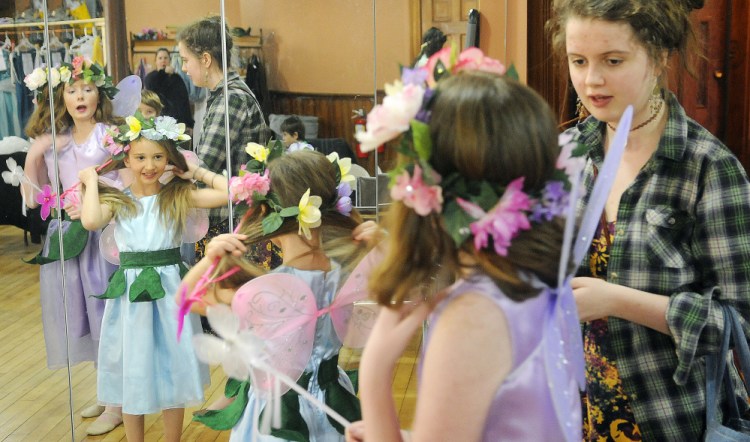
79 68
117 139
480 209
253 186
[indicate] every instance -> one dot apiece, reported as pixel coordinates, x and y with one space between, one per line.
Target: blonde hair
151 99
484 128
291 176
39 122
174 198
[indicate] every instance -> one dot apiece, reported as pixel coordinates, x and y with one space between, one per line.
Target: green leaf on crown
420 133
487 197
456 222
338 170
271 223
286 212
275 150
512 72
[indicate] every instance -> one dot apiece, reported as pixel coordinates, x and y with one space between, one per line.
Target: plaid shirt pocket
667 228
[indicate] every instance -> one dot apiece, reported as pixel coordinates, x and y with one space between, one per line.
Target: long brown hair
291 175
39 122
485 128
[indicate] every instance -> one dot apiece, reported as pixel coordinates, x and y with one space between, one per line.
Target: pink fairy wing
108 246
196 226
281 310
352 319
128 97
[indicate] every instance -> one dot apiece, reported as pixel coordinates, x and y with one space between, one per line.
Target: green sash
293 426
147 285
74 241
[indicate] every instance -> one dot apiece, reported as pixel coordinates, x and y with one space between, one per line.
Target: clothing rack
55 26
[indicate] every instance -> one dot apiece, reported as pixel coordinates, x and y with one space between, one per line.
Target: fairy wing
128 97
563 345
196 225
280 309
352 315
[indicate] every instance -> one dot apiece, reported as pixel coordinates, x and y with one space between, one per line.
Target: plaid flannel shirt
246 124
683 231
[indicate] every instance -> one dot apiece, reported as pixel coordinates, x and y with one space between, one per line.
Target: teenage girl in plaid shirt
675 234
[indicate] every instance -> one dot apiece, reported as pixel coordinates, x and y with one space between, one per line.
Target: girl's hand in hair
369 232
89 176
226 244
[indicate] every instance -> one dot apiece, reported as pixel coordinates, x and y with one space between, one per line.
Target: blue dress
325 285
142 366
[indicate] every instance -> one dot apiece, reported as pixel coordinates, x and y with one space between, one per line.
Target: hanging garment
255 78
9 123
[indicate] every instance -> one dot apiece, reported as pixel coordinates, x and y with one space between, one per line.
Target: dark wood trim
117 39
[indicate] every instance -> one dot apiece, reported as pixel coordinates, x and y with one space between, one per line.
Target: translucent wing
197 226
128 97
563 346
281 310
108 246
352 316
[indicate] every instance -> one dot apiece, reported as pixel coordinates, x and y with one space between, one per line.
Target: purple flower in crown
414 193
553 203
344 202
502 222
414 76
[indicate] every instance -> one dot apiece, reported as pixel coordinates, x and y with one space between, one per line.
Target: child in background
151 106
142 366
484 205
320 247
293 135
82 113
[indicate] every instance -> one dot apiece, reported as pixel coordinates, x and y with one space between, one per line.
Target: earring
656 100
581 109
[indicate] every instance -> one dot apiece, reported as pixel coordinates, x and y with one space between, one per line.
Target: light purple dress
85 275
524 405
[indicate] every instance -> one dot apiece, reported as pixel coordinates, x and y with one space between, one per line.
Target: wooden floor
35 401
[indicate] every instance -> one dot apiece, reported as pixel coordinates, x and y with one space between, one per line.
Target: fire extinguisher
360 125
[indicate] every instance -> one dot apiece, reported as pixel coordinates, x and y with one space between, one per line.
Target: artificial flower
572 165
232 348
258 152
46 198
77 64
345 165
502 222
413 76
309 213
414 193
553 203
54 76
166 127
36 79
242 188
134 128
14 174
344 202
388 120
65 73
473 59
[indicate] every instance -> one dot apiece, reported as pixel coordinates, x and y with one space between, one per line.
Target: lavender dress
85 275
524 405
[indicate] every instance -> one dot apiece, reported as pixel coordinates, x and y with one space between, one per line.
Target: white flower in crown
54 75
166 127
36 79
388 120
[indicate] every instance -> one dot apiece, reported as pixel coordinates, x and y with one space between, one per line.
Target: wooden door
704 95
450 16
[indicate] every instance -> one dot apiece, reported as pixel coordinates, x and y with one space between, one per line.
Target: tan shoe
92 411
105 423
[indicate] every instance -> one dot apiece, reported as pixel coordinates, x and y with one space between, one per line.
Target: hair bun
694 4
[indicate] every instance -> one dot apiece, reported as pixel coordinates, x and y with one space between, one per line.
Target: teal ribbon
147 286
74 241
293 426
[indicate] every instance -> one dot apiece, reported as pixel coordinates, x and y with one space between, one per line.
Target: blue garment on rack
9 124
24 97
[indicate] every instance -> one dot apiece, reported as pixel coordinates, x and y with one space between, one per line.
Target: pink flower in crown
414 193
241 188
388 120
46 198
77 65
502 222
473 59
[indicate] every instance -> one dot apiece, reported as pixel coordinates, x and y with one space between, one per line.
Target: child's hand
89 176
226 244
355 432
369 232
193 163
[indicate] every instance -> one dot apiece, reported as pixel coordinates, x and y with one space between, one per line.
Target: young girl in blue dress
142 365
